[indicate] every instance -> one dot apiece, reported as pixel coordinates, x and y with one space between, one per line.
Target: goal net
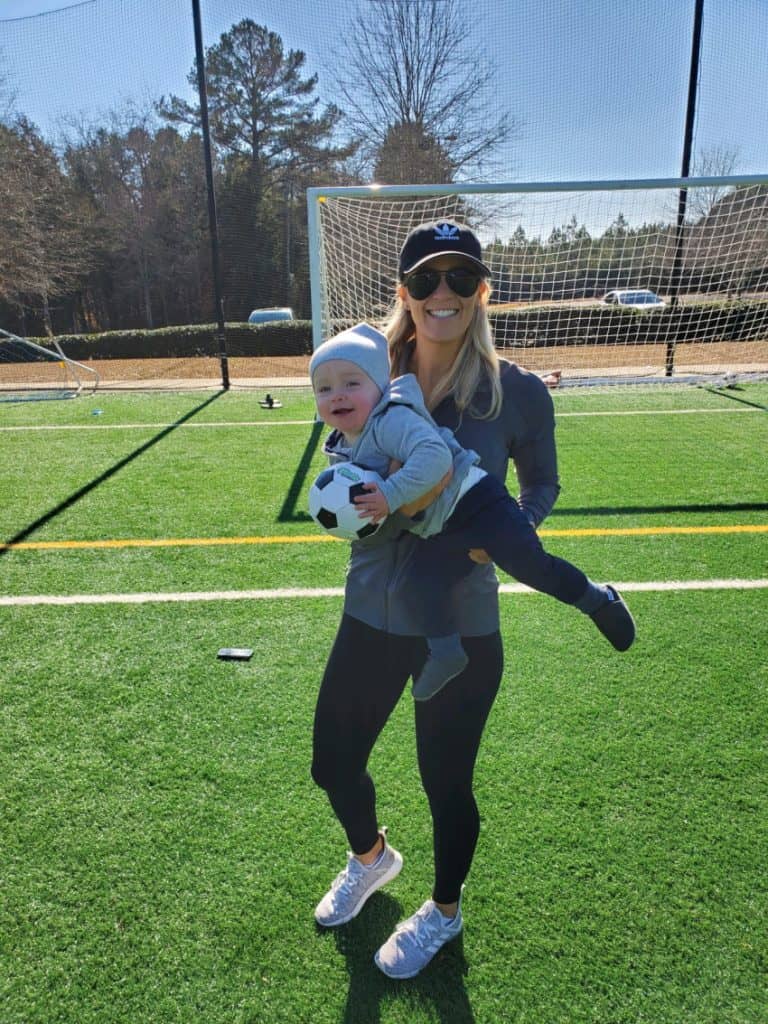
29 371
596 283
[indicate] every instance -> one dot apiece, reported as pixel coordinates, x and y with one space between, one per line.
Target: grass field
161 844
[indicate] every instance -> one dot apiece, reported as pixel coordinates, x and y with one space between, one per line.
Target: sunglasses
461 281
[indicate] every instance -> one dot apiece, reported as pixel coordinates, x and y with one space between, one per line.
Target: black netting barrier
103 204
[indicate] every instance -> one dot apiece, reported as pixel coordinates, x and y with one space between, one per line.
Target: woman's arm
526 427
532 447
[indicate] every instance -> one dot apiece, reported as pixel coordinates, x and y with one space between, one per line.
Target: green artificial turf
163 845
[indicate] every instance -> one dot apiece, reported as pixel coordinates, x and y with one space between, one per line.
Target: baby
376 421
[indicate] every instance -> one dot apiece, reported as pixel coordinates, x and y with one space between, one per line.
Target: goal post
29 371
600 281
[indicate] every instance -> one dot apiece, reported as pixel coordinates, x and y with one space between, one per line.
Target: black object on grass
235 653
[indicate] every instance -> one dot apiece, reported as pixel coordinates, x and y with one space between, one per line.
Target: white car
267 316
633 298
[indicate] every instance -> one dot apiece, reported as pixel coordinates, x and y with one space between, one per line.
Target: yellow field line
319 538
169 542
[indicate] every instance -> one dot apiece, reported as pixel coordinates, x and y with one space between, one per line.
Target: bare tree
411 73
716 162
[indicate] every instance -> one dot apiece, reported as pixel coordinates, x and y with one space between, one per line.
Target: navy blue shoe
615 622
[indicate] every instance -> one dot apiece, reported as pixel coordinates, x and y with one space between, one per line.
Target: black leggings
365 677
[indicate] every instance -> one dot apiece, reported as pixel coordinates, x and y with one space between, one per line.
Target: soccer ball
331 501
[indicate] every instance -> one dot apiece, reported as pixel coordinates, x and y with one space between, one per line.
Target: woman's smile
442 314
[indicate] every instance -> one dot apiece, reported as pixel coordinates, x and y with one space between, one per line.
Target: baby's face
345 396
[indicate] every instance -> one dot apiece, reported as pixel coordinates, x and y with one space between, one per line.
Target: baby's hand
373 505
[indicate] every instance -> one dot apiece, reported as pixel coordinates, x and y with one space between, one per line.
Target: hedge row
281 338
606 325
553 325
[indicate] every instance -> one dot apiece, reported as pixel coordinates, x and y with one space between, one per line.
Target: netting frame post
690 120
213 223
314 198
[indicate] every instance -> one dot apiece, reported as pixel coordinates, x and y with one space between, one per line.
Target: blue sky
598 86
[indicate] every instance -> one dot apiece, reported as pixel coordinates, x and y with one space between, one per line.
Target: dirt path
273 372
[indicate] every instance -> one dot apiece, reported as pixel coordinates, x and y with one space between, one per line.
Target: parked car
633 298
267 316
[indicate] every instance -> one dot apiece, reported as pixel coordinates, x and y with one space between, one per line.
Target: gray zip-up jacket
523 433
400 427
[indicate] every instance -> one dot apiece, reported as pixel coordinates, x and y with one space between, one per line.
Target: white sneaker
352 886
414 942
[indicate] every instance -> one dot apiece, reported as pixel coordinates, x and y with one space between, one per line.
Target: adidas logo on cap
435 238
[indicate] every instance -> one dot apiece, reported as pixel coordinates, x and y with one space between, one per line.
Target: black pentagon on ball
325 478
327 519
355 490
369 528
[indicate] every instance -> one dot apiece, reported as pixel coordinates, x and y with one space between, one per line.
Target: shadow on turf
440 985
288 513
62 506
721 393
620 510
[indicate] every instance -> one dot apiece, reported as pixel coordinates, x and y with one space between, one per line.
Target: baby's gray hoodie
400 427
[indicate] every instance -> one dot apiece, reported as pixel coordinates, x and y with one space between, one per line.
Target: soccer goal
659 281
32 372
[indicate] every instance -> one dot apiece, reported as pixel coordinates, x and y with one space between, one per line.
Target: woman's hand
480 556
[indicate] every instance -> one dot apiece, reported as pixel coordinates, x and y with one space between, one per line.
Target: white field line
164 426
657 412
286 593
306 423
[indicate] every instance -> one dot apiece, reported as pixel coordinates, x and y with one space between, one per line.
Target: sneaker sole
399 977
393 872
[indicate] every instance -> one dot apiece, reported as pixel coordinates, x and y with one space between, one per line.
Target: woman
439 331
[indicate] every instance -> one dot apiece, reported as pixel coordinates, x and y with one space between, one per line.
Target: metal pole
314 198
221 334
690 120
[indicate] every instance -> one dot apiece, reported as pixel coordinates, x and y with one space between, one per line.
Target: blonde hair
475 365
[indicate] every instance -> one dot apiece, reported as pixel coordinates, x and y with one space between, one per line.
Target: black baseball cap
440 238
